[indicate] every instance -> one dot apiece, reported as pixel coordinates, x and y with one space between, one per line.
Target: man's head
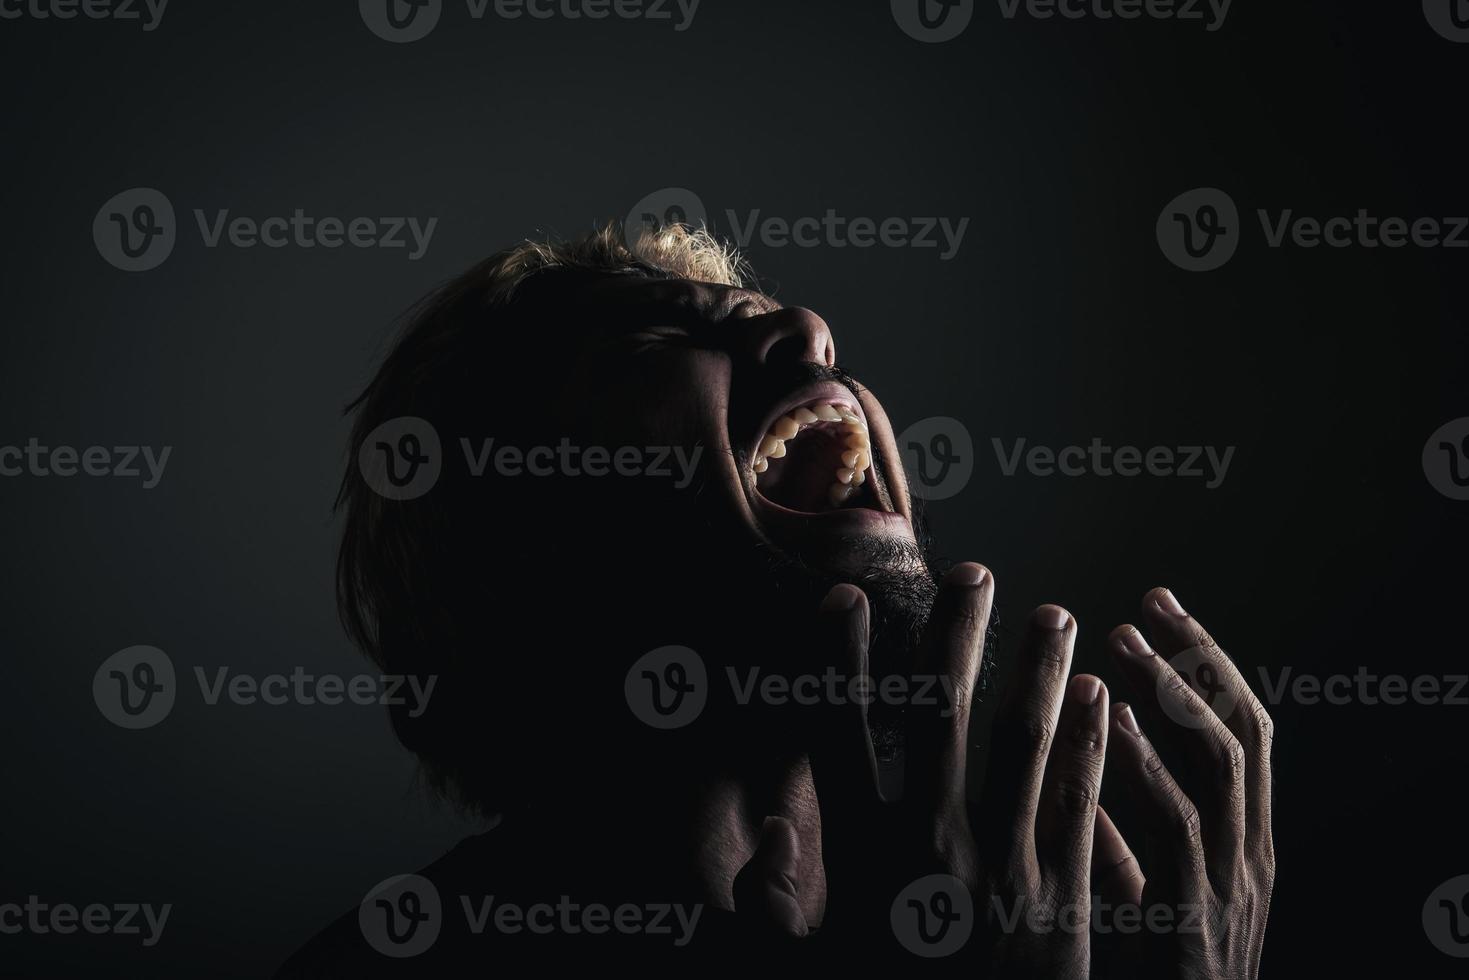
550 362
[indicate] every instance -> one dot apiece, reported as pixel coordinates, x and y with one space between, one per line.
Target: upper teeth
855 460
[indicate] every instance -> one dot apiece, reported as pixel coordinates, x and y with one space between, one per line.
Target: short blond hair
677 251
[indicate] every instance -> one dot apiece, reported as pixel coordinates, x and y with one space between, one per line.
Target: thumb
765 890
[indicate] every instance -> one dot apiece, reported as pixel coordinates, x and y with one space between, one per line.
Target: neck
682 840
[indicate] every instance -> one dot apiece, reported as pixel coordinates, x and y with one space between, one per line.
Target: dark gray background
1060 320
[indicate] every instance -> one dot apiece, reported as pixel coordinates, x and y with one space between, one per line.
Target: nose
791 334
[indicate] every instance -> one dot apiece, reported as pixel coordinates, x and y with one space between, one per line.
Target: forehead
636 298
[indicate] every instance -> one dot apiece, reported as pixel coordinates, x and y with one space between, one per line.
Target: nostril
794 335
789 348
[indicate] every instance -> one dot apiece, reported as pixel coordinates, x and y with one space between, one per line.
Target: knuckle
1175 686
1077 797
1262 726
1229 757
1086 741
1183 819
1031 733
1153 767
1049 659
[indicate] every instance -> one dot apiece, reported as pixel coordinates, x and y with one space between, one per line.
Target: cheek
657 398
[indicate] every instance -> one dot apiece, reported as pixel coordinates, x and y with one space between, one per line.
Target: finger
1172 707
1024 726
766 891
1116 875
843 762
1073 785
1215 678
1170 815
944 678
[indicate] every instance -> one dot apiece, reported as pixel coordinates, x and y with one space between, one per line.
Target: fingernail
1086 690
840 599
1052 618
1127 719
967 574
1133 643
1168 602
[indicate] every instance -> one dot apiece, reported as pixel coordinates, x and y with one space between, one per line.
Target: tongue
803 477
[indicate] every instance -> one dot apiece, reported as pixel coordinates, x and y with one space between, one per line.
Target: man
692 654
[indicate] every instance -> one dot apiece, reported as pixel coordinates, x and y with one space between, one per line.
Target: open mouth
816 458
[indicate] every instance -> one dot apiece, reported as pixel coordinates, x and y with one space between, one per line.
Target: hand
1215 838
1024 859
